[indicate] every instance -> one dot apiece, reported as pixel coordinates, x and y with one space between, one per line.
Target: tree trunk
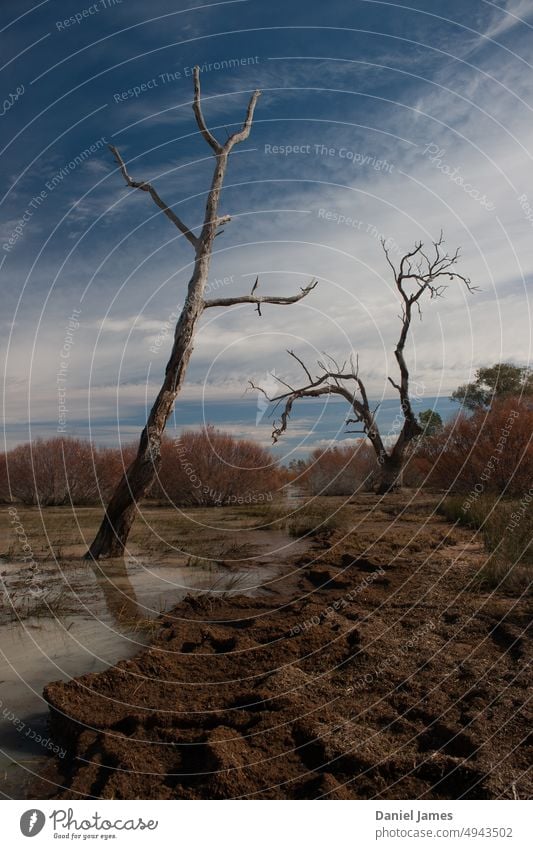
143 471
391 471
120 512
418 273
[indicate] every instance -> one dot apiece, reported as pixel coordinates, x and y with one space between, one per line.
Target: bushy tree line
487 451
210 468
60 471
492 383
339 470
205 467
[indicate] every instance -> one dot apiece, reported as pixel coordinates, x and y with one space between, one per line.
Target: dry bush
210 467
4 483
340 470
200 468
59 471
490 451
416 470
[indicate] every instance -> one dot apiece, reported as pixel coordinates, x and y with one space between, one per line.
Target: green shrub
506 528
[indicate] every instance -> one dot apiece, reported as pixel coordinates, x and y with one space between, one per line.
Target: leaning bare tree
142 473
417 275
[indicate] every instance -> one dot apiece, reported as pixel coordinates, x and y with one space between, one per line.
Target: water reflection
118 592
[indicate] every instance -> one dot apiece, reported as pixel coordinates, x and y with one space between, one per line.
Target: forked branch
328 382
211 221
199 115
237 137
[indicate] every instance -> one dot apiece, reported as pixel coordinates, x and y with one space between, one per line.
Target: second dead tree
419 274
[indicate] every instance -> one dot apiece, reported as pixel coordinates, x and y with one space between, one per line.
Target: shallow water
73 618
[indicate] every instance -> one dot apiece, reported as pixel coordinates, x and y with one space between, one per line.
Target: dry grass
506 528
313 520
224 586
18 604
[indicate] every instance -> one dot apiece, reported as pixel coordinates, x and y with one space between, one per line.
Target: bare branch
283 383
427 270
387 257
243 134
146 187
298 360
284 420
418 272
327 383
277 431
258 389
233 139
198 114
260 299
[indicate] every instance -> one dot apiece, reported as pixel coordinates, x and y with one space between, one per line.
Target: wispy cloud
509 15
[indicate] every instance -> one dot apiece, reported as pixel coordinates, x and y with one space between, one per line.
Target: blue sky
376 119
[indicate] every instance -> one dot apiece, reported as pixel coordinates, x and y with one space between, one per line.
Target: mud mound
359 680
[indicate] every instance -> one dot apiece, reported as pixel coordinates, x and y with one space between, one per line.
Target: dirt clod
335 688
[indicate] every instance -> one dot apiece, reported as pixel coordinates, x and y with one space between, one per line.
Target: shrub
59 471
210 468
340 470
506 528
204 467
490 451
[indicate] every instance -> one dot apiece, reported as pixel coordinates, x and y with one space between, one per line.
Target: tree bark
390 477
142 473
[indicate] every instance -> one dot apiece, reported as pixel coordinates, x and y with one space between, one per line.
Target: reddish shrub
209 467
4 484
61 471
340 470
491 450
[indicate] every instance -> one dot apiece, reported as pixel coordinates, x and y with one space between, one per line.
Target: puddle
86 618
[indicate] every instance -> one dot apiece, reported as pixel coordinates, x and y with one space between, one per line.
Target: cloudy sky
377 119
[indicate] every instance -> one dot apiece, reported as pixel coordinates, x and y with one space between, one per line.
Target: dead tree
417 275
142 473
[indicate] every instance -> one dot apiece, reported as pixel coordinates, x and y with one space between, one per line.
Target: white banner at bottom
263 825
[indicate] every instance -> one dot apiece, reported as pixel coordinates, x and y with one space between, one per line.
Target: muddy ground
377 666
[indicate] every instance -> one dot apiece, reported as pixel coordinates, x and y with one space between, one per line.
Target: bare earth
374 667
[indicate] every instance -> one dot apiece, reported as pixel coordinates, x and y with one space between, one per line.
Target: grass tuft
506 528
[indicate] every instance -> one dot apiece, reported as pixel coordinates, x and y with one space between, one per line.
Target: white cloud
482 125
513 13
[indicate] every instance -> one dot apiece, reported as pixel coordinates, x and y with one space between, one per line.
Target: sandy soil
376 667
